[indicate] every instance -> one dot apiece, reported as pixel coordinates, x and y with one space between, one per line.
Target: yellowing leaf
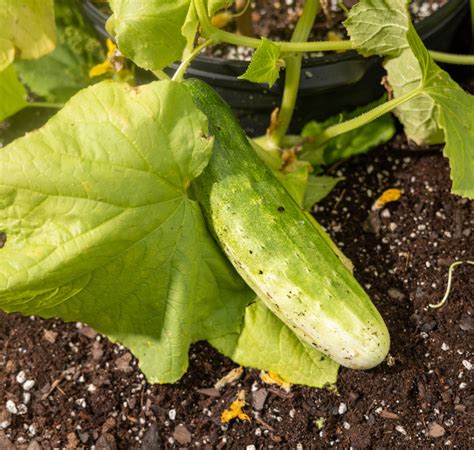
274 378
235 409
390 195
229 378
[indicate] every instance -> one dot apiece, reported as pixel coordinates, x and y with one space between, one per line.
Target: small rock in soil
396 294
389 415
123 363
467 323
50 336
151 439
34 445
5 418
72 442
258 399
88 332
106 442
435 430
182 435
210 392
5 443
97 351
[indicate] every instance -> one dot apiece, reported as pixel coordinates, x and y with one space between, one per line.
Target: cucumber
277 249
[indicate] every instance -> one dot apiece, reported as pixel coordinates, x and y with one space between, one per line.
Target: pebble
11 407
26 398
251 447
182 435
259 398
435 430
342 408
28 385
106 442
467 364
172 414
395 294
123 363
401 430
34 445
151 439
467 323
21 377
22 409
444 347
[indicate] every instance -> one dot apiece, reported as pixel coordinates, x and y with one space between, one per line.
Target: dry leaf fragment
229 378
235 409
274 378
388 196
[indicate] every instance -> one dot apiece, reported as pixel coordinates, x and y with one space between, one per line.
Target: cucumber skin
278 251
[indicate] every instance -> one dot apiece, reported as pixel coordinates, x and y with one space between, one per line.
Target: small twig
448 287
56 383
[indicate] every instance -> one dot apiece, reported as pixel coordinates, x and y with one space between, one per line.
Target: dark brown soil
89 392
277 19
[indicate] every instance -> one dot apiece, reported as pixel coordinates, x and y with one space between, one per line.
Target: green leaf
355 142
100 228
149 32
266 343
12 93
442 111
7 53
265 65
319 187
60 74
29 26
190 27
378 27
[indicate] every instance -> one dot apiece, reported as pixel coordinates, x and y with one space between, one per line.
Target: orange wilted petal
390 195
235 409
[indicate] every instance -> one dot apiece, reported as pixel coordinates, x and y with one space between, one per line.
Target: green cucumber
278 250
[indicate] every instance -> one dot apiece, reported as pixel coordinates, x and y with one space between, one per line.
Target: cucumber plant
146 212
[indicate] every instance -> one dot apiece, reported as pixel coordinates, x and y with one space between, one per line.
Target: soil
276 20
88 391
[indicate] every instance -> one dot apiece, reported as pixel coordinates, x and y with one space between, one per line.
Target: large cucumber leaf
12 93
442 111
26 26
99 227
265 342
149 32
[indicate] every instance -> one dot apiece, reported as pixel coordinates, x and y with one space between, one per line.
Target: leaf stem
161 74
448 287
452 58
293 71
365 118
179 74
218 35
45 105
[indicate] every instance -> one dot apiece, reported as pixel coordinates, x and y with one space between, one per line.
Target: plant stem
179 74
161 74
451 58
286 47
45 105
365 118
293 71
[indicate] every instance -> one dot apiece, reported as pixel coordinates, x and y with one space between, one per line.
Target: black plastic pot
328 85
